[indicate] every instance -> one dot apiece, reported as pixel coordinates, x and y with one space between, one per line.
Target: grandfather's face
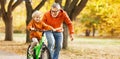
54 12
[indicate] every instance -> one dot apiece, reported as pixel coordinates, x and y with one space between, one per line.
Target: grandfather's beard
54 15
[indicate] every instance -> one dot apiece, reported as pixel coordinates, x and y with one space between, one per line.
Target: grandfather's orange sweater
57 22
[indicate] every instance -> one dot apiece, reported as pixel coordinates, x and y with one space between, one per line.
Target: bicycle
40 51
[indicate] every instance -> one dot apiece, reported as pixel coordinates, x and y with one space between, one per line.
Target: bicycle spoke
45 54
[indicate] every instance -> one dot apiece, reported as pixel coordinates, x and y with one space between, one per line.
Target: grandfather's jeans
55 40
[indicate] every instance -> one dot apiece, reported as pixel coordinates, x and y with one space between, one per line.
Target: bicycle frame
38 47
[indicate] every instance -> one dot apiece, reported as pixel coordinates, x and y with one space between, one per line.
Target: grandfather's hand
55 29
71 37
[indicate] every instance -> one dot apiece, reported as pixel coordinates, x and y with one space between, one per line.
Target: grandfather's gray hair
56 5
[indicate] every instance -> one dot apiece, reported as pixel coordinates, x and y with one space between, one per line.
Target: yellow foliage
106 11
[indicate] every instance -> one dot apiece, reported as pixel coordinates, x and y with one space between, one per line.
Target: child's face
37 18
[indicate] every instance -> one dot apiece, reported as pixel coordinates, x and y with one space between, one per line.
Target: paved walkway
7 55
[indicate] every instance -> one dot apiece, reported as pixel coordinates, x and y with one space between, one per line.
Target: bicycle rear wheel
29 56
45 53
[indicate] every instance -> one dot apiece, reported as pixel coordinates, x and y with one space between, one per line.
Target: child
36 24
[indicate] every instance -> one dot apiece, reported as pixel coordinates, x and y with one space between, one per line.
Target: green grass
16 37
105 41
19 35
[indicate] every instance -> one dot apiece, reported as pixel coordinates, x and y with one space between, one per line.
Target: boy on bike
34 27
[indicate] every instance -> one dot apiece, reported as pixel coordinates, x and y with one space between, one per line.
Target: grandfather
55 18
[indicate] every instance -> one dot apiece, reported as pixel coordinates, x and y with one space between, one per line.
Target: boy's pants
34 43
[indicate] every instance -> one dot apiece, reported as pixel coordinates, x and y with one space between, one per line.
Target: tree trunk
29 17
73 9
93 30
0 12
27 32
112 31
65 36
6 12
8 29
59 1
87 33
77 9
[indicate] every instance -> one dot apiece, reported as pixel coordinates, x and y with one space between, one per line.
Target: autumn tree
30 10
7 17
73 8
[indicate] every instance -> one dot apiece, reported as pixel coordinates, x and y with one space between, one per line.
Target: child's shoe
30 51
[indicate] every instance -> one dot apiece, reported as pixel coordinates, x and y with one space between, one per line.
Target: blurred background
96 24
98 18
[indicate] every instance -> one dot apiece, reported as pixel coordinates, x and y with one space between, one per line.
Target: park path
8 55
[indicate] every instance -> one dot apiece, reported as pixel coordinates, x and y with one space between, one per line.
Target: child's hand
53 29
32 28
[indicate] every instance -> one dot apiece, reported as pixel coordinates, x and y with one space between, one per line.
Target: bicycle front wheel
29 56
45 53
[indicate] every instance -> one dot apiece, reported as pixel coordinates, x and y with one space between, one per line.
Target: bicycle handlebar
41 30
